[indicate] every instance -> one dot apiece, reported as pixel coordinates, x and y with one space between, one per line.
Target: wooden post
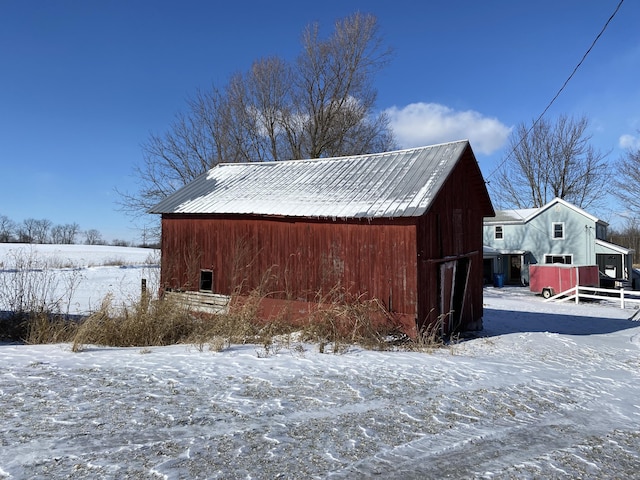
144 296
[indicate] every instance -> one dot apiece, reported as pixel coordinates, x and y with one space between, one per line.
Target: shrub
145 323
27 284
35 299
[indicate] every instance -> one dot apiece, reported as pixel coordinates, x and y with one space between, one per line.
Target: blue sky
84 83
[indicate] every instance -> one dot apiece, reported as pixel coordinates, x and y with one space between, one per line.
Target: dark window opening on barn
206 280
498 232
558 231
557 259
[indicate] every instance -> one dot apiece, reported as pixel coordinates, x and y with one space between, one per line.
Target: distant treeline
32 230
628 238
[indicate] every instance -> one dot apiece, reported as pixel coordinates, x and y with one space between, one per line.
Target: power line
559 91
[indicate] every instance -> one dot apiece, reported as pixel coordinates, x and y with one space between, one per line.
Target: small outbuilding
402 227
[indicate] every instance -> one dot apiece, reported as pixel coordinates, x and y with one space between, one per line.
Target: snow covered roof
612 246
391 184
513 216
524 215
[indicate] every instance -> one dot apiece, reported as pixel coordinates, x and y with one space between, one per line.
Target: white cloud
421 124
629 142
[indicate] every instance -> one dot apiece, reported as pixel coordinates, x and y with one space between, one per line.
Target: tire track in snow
487 444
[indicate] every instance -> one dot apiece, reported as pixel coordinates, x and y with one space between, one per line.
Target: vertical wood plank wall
302 259
452 229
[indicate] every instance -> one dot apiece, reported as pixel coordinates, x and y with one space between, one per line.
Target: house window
558 231
498 235
206 280
558 259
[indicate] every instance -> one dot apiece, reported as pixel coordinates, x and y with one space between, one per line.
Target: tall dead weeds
337 320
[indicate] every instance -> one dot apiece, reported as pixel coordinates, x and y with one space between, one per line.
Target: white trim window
557 231
498 232
566 259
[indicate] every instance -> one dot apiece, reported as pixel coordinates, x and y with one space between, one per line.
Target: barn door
447 285
460 293
454 278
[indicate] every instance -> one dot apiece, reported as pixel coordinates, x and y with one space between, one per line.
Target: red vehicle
549 280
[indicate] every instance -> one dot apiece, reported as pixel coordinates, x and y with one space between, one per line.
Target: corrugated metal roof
512 216
382 185
524 215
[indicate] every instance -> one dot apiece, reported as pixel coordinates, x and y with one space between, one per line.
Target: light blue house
558 232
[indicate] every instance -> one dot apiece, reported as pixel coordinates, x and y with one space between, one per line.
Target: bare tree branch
321 106
628 181
552 160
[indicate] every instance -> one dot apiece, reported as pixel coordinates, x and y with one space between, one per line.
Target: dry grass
338 321
144 323
342 320
45 328
429 338
334 326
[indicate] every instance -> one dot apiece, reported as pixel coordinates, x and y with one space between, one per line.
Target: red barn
404 227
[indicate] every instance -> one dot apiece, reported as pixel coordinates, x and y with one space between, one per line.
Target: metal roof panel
383 185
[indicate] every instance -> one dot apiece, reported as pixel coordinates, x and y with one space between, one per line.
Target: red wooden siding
305 259
452 231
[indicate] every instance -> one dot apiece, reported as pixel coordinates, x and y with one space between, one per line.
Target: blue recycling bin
498 280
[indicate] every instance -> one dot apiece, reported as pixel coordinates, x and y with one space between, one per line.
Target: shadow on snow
502 322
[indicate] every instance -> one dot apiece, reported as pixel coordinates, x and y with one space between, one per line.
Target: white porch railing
578 292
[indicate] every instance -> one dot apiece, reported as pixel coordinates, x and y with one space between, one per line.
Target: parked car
614 283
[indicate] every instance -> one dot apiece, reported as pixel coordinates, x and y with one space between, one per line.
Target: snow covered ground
547 390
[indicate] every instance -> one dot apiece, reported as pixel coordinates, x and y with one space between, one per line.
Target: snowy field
84 274
547 390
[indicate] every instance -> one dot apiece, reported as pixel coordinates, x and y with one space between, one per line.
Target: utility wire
559 91
517 211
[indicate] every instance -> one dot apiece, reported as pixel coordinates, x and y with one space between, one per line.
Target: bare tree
253 112
628 181
25 231
7 229
65 234
70 232
120 243
93 237
29 231
21 235
335 97
322 105
56 234
627 236
552 160
41 230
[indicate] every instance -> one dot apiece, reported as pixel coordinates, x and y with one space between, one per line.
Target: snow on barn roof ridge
343 157
400 183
